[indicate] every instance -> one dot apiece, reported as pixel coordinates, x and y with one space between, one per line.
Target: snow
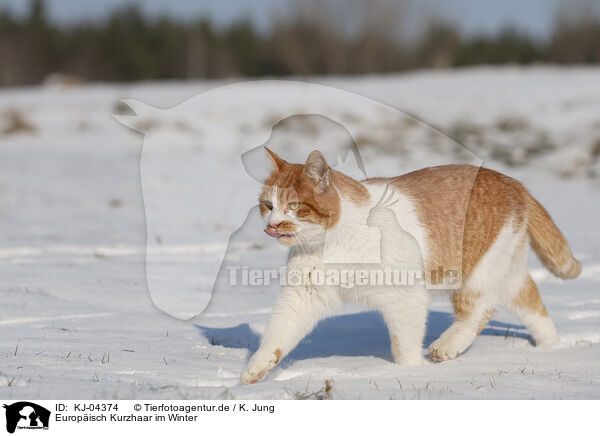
78 320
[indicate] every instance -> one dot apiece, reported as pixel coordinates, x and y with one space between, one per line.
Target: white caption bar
279 417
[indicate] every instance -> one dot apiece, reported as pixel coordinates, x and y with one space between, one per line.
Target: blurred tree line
131 46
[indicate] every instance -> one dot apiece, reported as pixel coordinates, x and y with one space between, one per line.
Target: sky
472 16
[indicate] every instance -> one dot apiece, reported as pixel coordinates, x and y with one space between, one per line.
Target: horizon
485 17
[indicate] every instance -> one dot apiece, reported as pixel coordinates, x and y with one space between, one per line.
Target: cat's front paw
250 377
446 348
260 364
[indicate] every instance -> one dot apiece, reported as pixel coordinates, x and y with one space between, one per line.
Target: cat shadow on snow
357 334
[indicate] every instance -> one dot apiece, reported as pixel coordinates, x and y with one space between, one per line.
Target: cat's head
298 201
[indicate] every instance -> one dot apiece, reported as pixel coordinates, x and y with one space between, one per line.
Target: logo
25 415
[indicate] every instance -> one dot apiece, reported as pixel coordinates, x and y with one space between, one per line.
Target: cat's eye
267 204
294 205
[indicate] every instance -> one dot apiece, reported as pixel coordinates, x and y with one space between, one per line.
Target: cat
472 221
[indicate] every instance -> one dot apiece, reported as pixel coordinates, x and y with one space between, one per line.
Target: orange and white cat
474 221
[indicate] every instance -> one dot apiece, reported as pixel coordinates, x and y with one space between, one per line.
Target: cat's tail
549 243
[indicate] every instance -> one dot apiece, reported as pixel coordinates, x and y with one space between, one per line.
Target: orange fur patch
349 188
549 243
529 298
463 209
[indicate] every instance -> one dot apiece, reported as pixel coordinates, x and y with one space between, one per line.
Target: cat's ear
316 169
277 161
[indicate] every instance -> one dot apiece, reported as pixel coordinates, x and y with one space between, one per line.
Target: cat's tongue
272 232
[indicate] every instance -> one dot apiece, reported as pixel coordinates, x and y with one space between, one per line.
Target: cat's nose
277 216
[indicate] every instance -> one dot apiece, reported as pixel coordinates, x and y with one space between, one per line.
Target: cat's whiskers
295 236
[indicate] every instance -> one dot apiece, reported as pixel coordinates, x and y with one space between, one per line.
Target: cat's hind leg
472 311
528 306
496 278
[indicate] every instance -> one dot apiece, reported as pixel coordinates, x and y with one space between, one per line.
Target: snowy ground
76 317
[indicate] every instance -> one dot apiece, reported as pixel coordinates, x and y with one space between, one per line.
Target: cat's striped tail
549 243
